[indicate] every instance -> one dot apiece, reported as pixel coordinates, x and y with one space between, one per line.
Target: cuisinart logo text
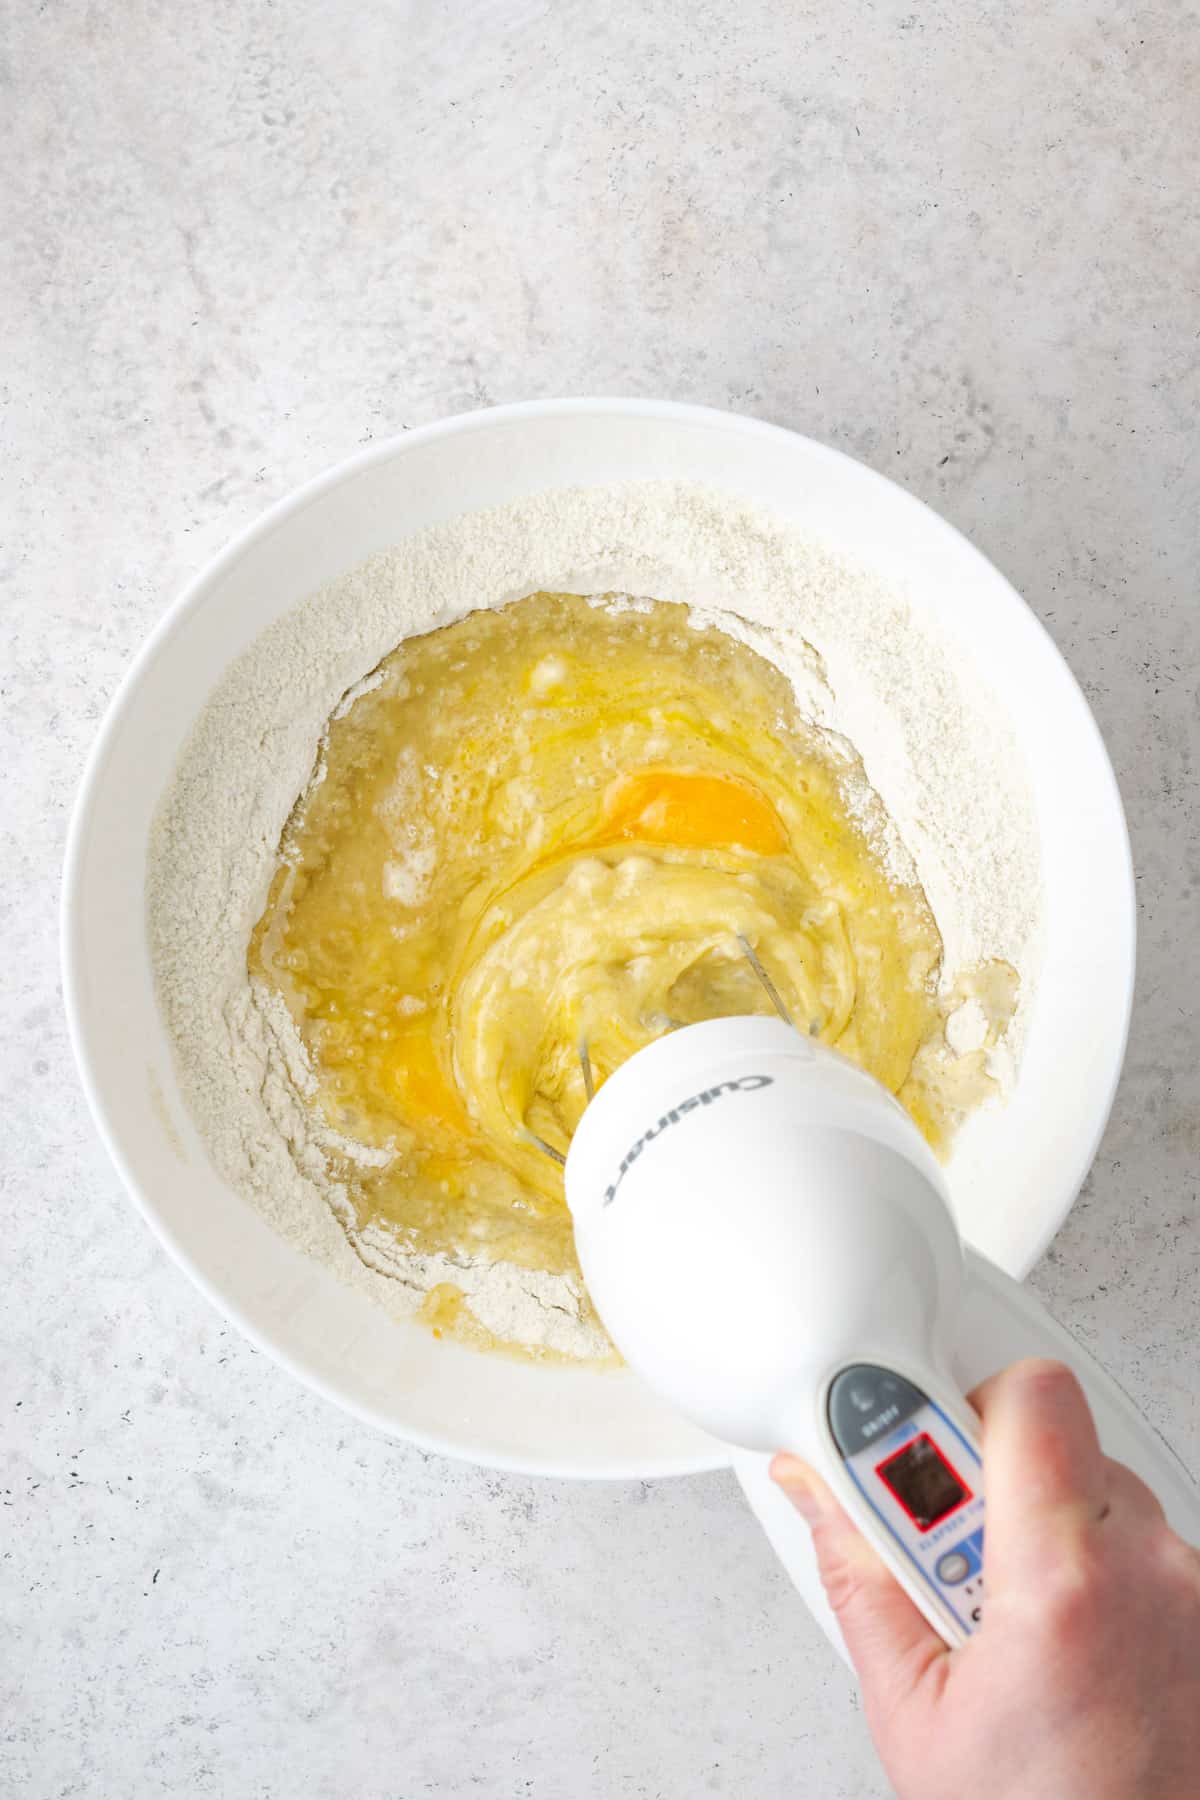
746 1084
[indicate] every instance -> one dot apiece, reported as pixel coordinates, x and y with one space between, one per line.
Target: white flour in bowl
933 739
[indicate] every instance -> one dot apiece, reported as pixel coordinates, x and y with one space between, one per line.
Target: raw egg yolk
692 808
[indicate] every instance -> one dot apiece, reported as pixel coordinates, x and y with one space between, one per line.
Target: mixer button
866 1403
953 1567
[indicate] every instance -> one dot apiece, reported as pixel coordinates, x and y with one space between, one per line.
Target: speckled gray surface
959 242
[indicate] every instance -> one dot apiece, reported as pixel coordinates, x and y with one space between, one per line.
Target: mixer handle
1002 1323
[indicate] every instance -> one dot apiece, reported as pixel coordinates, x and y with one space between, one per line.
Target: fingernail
794 1478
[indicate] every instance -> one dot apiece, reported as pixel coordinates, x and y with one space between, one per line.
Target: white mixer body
752 1212
768 1240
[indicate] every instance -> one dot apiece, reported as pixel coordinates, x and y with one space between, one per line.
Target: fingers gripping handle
1004 1321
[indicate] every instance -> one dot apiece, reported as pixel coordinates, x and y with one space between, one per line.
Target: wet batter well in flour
550 824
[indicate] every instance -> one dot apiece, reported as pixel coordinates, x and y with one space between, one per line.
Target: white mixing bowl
1014 1173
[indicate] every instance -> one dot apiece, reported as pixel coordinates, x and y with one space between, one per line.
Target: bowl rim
192 596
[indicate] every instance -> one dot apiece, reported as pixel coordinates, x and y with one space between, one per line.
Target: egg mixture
551 826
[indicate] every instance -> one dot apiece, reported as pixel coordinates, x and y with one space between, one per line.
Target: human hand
1083 1682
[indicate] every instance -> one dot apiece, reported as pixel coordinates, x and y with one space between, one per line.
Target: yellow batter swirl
550 825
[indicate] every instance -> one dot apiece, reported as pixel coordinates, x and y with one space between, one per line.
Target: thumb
891 1645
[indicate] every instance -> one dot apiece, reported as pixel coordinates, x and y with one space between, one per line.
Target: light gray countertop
959 242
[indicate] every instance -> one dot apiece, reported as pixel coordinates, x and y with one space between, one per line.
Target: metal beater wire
585 1060
772 992
555 1155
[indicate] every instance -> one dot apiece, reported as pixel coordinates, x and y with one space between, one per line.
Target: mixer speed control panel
921 1477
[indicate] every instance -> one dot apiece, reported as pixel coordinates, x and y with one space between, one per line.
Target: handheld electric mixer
768 1240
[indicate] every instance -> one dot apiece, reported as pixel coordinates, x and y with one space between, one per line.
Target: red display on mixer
924 1483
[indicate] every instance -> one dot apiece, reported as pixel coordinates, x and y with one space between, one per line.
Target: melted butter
549 824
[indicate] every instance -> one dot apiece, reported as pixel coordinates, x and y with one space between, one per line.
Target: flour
948 802
967 1028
